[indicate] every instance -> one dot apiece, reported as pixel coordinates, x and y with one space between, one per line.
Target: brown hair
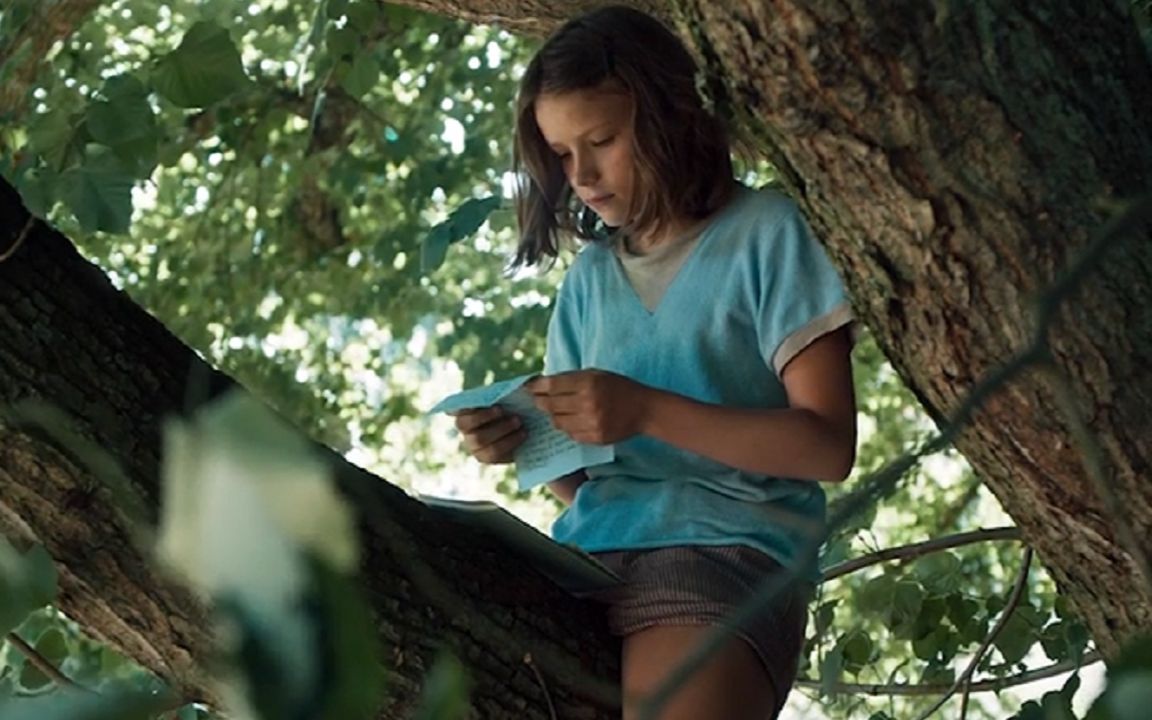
683 163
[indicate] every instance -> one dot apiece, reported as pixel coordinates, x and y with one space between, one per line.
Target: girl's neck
674 229
668 232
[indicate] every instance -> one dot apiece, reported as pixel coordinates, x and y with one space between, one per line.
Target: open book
570 568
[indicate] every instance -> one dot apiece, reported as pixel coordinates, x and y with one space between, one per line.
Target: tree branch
906 552
11 250
525 17
991 685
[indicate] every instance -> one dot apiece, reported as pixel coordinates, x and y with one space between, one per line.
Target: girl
703 332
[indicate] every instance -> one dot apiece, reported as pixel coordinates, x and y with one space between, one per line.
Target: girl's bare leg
731 685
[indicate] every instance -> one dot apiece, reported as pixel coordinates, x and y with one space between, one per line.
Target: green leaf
967 618
1030 710
363 14
875 596
831 666
335 9
464 221
27 583
824 615
53 646
1015 638
124 116
939 572
435 247
858 649
363 74
32 679
932 611
907 600
445 693
1057 706
38 188
938 674
341 41
204 69
50 134
928 646
99 193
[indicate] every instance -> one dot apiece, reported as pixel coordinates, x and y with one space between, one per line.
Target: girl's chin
609 218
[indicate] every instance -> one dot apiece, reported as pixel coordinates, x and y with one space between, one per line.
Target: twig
543 685
905 552
41 663
19 238
966 676
990 685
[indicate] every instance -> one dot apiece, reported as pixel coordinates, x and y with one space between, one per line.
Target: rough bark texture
70 341
955 157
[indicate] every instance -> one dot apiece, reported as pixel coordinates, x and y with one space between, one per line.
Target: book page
567 566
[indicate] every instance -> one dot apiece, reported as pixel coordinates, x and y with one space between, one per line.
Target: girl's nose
584 171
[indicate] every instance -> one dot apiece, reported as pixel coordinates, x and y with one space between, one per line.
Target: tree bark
956 158
22 56
71 342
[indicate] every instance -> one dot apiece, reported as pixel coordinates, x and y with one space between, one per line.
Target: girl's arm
814 438
565 487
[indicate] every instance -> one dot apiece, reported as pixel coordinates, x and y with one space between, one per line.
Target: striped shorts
703 585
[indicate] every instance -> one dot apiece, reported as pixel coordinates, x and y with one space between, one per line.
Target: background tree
293 177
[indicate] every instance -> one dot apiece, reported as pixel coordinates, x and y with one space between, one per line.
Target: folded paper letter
547 454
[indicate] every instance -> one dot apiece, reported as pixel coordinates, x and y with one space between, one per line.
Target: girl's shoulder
765 205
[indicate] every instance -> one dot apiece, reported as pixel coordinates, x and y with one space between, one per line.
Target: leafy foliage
312 196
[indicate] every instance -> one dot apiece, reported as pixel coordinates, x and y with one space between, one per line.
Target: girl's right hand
491 434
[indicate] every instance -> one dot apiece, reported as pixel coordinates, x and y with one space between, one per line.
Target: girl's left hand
593 406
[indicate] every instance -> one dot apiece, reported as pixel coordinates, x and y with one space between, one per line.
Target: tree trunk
956 159
70 341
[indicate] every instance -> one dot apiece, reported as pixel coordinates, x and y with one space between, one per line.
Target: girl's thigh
731 685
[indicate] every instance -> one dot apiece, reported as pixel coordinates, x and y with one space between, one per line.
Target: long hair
681 150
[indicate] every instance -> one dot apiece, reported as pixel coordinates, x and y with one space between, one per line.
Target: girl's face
591 133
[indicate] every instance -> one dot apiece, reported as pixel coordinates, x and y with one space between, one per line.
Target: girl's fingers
503 449
491 433
470 420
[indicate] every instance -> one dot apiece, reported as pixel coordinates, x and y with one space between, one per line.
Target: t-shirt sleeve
802 297
562 351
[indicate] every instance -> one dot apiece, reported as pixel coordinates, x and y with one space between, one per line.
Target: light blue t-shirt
755 290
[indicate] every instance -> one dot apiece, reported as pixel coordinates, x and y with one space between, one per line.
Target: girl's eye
606 141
